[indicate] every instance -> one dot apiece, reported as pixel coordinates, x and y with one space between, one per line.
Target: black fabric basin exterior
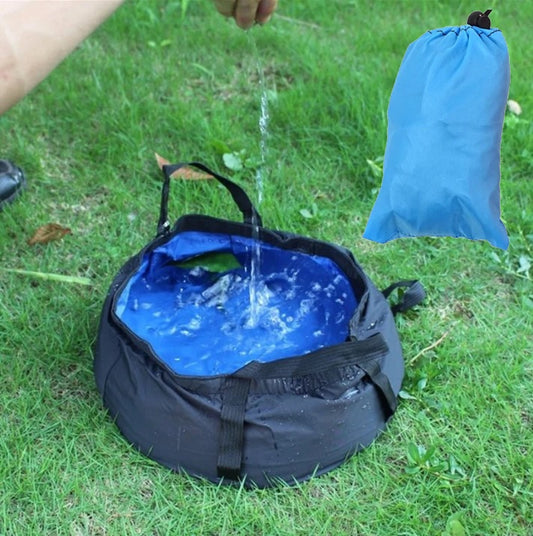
268 422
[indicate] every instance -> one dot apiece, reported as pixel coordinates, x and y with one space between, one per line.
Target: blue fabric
199 322
441 173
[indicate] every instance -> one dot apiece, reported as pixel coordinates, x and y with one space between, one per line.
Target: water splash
204 319
210 329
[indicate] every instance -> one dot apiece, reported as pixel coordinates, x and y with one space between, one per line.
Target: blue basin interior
205 311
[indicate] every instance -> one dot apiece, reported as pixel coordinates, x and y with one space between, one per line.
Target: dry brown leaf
161 161
190 174
184 172
48 233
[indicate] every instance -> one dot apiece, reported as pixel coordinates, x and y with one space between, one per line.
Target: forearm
35 36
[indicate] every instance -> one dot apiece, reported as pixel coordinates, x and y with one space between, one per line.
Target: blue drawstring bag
441 172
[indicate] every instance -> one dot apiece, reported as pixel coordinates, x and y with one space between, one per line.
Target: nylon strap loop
248 210
413 295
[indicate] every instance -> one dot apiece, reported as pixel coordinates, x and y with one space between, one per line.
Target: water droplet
167 332
339 317
195 323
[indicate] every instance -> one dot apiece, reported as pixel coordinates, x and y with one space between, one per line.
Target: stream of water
258 298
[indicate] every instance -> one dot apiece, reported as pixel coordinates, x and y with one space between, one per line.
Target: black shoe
12 182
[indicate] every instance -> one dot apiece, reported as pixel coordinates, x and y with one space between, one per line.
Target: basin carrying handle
248 210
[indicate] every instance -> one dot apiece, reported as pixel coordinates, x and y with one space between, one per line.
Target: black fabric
364 354
284 420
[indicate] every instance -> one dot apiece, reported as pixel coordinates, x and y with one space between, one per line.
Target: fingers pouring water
247 12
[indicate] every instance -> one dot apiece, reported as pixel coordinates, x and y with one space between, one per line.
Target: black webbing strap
249 212
234 396
365 354
381 382
353 352
412 296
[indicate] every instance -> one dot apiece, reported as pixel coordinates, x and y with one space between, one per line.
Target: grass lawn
189 88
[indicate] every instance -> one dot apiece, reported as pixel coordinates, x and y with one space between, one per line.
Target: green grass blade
51 277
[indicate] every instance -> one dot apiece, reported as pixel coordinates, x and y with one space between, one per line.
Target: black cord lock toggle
481 20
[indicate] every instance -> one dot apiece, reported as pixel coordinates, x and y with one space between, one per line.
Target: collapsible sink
234 352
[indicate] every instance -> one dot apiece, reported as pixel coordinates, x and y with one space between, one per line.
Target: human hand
247 12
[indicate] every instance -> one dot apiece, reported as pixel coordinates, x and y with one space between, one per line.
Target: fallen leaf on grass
48 233
184 172
514 107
